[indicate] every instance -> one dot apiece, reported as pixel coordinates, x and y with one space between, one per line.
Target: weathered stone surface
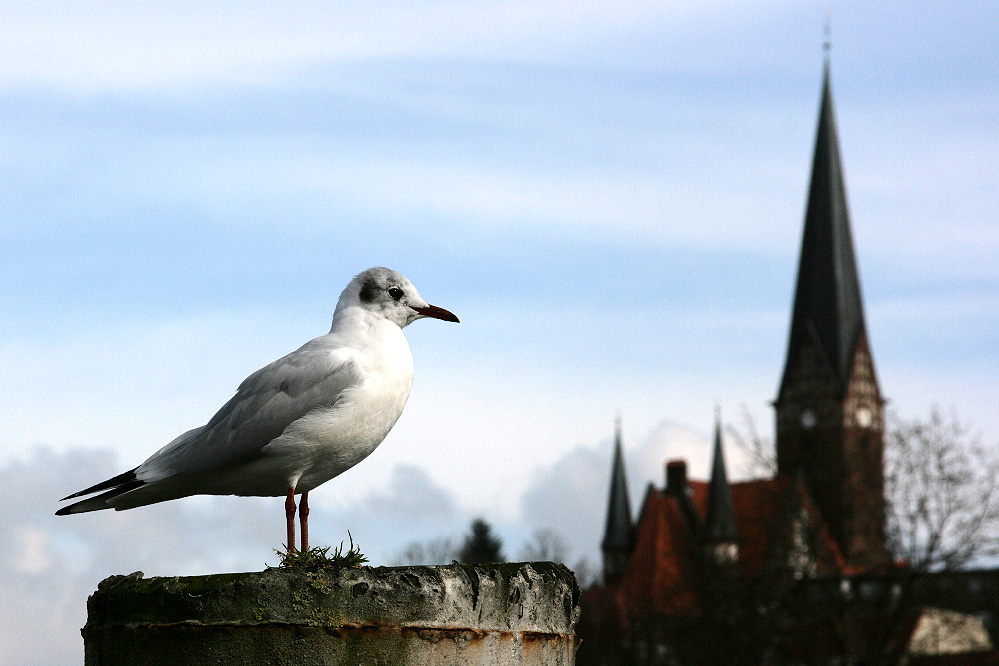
456 614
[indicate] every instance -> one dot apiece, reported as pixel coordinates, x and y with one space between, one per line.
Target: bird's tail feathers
113 487
113 482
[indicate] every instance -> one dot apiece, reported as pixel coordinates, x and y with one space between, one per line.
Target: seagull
298 422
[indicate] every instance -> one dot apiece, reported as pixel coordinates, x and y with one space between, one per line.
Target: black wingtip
120 480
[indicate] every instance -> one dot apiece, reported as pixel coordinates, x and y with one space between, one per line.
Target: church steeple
829 406
721 537
827 303
619 534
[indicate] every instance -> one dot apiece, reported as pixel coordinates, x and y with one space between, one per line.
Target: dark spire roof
620 532
827 300
719 523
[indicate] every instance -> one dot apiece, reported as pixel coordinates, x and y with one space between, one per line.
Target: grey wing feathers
264 405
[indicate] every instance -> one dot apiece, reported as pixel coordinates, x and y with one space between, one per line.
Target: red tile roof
662 573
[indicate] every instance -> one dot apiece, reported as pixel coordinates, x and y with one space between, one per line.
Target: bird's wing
264 405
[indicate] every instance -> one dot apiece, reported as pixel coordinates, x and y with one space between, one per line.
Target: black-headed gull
298 422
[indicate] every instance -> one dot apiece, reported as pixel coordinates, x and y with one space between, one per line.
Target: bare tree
441 550
586 574
941 517
760 453
941 494
545 545
941 489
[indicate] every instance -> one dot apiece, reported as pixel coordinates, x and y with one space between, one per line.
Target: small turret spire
619 535
719 523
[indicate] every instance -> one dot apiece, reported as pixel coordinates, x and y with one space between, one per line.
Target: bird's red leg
289 512
303 516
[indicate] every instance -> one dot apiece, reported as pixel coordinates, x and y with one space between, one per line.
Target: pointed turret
827 302
719 523
721 537
619 535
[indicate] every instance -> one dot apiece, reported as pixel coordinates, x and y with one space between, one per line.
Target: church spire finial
827 35
826 30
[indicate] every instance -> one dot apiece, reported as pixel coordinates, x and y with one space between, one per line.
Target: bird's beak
436 313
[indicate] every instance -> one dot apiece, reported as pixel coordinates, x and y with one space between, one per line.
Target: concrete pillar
491 614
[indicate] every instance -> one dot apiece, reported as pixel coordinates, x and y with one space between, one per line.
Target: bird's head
391 295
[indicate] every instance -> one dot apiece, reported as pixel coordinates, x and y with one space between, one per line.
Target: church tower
619 534
829 406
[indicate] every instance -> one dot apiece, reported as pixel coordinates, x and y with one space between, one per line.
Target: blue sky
609 195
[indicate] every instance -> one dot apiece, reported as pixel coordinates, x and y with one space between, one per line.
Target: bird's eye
395 292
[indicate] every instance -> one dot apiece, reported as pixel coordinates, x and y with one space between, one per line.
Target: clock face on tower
808 418
864 417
